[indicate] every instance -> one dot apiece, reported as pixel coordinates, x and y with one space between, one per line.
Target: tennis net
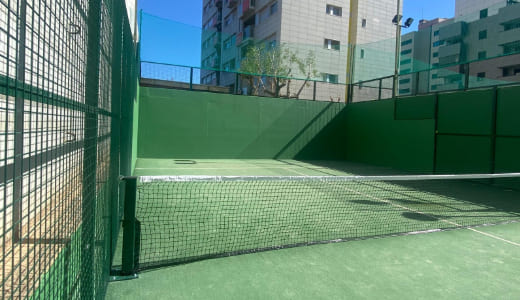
180 219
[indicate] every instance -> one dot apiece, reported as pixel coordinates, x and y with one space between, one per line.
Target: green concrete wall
183 124
374 136
405 134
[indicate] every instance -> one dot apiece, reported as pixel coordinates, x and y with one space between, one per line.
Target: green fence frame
68 84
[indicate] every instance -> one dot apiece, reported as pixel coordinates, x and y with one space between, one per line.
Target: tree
271 68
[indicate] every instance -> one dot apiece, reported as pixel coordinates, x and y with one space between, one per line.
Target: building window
434 87
435 54
330 78
404 81
406 61
227 43
230 65
407 42
362 54
511 71
264 15
404 91
436 33
481 76
482 35
435 76
334 10
228 20
364 23
435 65
484 13
512 25
270 44
332 44
274 8
438 43
513 47
482 55
405 52
405 71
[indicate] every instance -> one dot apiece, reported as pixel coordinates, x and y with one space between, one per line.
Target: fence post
349 93
191 78
236 83
117 40
418 84
466 76
314 92
19 127
129 227
89 186
380 88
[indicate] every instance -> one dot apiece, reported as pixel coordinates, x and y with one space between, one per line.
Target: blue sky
184 18
427 9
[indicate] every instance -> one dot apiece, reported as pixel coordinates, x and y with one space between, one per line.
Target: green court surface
254 167
460 264
476 263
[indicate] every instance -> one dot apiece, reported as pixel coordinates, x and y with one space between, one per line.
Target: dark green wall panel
415 108
507 155
508 111
466 112
508 160
463 154
183 124
373 136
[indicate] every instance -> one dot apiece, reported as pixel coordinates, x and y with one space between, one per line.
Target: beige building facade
335 31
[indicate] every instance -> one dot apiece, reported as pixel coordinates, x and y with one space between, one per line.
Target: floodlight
397 19
408 22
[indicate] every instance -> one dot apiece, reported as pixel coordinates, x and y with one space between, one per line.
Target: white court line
243 168
425 214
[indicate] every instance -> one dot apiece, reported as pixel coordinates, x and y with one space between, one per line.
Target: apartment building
328 28
485 49
469 8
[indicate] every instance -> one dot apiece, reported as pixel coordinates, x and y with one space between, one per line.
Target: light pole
397 22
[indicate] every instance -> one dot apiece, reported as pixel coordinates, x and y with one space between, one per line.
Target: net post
129 227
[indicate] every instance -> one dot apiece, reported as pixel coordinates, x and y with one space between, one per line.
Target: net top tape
205 178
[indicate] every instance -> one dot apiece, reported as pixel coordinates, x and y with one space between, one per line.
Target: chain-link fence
67 86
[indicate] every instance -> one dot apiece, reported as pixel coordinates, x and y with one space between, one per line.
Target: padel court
235 198
127 178
409 258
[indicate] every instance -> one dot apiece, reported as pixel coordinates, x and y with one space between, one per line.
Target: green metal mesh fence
66 72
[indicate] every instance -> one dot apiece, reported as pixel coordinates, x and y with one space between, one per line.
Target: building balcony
231 3
508 13
247 8
506 37
245 35
452 31
446 73
450 50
